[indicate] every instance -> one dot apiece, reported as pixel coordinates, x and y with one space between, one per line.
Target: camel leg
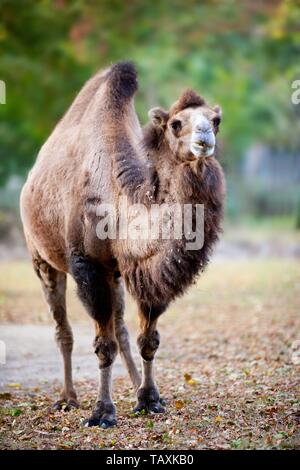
94 290
123 334
54 287
148 398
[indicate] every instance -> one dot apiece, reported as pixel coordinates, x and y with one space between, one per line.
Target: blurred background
237 330
242 55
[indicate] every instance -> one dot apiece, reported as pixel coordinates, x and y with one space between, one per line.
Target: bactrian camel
97 154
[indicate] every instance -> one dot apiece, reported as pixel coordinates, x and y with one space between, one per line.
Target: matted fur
166 275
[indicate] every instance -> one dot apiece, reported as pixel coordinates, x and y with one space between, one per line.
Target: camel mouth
202 150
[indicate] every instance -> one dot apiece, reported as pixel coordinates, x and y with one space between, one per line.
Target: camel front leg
104 412
148 397
94 290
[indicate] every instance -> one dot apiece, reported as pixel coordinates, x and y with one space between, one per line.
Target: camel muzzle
203 138
203 144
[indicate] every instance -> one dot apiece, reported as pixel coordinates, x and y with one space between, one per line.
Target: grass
225 367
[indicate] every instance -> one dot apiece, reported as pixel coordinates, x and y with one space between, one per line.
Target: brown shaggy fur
96 154
188 99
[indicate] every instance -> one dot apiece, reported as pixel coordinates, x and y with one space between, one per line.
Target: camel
97 154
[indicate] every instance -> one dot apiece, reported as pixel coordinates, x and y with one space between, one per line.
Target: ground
228 365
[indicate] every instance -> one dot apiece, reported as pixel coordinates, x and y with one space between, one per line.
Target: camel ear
217 109
158 116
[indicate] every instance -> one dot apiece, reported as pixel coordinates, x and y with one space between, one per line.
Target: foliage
241 54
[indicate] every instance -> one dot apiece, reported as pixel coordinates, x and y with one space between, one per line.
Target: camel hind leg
122 333
54 287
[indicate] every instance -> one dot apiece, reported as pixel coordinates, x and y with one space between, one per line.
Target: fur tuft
123 83
188 99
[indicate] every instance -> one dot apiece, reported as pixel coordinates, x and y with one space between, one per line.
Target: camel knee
148 344
106 351
63 331
122 336
64 337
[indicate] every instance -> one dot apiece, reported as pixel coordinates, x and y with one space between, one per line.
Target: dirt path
32 356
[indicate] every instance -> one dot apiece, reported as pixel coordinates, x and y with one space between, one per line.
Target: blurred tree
243 55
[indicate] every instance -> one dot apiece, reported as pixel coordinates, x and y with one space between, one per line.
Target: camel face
190 132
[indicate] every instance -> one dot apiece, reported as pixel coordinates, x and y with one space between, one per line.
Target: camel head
189 127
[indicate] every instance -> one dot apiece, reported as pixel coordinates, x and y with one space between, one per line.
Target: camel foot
66 405
148 400
104 416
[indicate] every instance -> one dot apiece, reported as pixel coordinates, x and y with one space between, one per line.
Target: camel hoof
140 409
58 405
102 423
88 423
104 416
63 405
156 408
149 401
105 423
72 404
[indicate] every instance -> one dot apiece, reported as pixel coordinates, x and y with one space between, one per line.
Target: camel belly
43 227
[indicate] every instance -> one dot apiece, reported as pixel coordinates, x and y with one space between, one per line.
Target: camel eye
216 121
176 125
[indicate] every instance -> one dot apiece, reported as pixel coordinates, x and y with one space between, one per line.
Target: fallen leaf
193 382
179 404
187 377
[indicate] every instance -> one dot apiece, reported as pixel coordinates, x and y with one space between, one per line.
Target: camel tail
122 79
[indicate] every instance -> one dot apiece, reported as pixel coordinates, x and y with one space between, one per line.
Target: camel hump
122 79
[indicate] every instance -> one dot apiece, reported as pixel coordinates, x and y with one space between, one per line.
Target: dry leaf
187 377
179 404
